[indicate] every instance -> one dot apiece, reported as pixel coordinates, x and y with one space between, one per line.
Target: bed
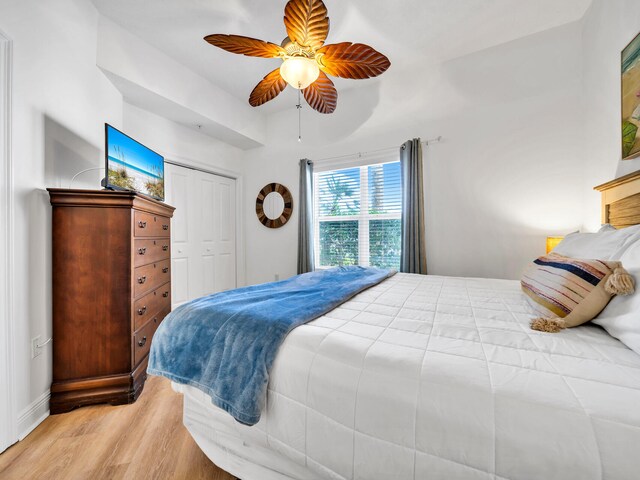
436 377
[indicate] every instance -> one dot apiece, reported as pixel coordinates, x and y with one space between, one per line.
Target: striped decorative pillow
567 292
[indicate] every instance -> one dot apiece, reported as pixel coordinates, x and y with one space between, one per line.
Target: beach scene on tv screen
133 166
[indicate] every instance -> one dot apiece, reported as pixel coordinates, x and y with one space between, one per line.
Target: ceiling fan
306 60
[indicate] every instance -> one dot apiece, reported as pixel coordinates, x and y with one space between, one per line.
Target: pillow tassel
549 325
619 283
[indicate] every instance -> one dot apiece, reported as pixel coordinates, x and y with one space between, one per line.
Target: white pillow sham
621 318
607 244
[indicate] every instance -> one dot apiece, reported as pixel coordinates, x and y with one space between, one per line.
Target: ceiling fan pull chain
299 107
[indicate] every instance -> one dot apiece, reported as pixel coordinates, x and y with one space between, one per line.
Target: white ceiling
432 30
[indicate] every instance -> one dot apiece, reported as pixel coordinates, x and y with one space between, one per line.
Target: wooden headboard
621 200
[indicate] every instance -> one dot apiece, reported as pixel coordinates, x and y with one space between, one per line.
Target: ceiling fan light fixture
299 72
306 59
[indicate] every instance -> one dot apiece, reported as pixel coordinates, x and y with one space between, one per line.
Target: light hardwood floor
145 440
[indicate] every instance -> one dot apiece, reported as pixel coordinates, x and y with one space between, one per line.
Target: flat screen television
132 166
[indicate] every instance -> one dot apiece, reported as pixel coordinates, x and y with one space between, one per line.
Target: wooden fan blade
321 95
268 88
307 22
251 47
352 60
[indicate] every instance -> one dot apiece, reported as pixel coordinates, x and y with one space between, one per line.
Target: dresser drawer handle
165 227
155 319
165 294
142 224
165 248
142 251
142 310
165 269
142 279
142 342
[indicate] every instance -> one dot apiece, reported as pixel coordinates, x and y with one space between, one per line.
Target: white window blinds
357 216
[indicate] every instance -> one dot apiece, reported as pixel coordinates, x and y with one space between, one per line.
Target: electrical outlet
36 351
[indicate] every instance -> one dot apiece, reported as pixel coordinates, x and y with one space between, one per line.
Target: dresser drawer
150 305
142 338
149 277
142 341
149 251
149 225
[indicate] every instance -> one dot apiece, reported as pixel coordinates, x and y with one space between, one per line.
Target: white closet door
217 232
225 234
179 195
203 232
207 221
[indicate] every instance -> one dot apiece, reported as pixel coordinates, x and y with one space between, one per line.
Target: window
357 216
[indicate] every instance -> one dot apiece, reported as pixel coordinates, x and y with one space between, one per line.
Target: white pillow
605 245
607 227
621 318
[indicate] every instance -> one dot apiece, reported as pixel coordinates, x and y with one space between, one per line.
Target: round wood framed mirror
274 205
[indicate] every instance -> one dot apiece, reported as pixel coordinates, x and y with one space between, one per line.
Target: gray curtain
305 225
413 256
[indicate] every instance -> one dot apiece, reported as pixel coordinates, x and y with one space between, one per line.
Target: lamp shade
299 72
552 242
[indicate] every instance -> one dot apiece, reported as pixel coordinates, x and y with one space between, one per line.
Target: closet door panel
226 272
203 232
226 235
180 284
178 182
207 185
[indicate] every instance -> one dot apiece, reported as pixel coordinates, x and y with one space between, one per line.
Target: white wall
152 80
61 101
607 28
179 143
507 174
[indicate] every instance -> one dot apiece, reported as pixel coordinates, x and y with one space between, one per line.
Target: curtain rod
361 154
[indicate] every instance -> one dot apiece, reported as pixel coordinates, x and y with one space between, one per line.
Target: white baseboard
33 415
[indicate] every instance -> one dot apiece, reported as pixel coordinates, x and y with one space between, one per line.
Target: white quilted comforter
426 377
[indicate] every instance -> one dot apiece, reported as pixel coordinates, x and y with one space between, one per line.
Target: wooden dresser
111 290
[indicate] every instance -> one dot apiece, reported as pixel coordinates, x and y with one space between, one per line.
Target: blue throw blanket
225 344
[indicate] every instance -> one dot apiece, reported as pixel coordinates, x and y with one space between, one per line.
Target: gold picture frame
630 99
